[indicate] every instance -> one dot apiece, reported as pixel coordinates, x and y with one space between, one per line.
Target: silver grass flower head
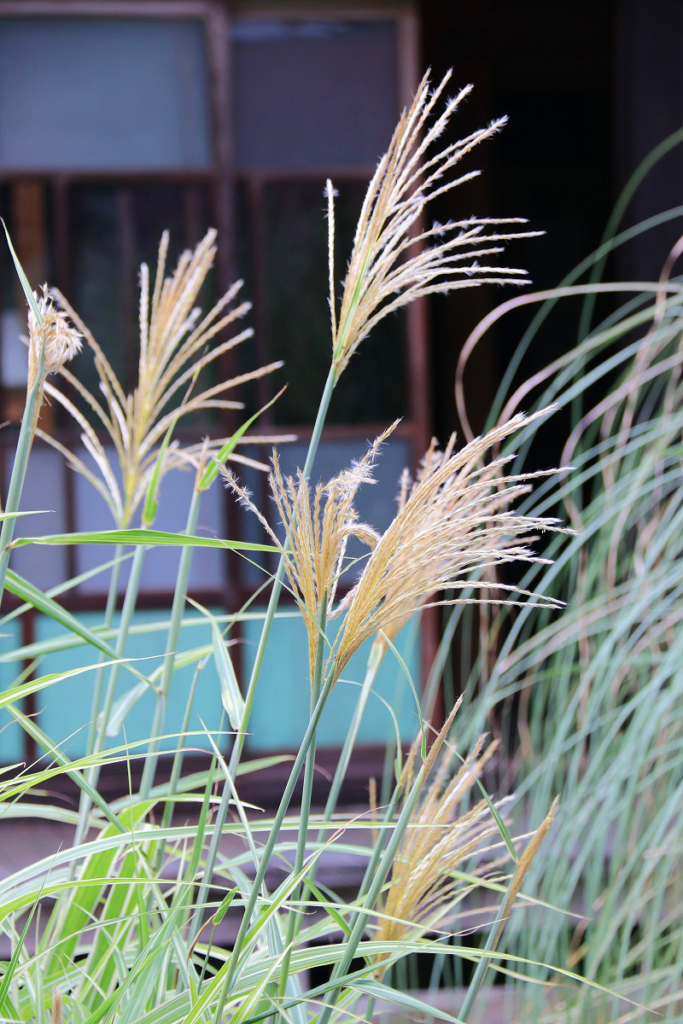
454 525
317 526
396 258
61 341
176 344
445 832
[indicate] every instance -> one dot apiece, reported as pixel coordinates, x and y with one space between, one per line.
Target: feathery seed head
62 342
454 523
442 836
395 259
317 526
176 344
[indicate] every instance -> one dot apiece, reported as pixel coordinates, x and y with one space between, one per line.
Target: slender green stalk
97 690
374 661
293 919
127 612
85 802
378 849
260 653
480 971
179 755
272 840
171 650
16 484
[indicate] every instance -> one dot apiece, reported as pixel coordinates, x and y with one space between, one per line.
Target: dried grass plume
454 523
395 258
51 337
176 344
440 838
317 524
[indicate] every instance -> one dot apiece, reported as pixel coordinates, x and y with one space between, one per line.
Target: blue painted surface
280 712
65 707
11 737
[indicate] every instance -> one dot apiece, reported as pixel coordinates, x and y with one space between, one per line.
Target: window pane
160 564
79 93
310 95
44 491
297 321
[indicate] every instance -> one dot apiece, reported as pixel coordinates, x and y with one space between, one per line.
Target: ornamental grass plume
395 258
454 523
317 527
173 351
437 842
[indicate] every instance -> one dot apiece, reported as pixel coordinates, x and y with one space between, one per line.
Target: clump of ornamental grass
128 935
438 838
396 258
176 344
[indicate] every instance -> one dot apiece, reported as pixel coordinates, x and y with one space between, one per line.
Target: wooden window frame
221 178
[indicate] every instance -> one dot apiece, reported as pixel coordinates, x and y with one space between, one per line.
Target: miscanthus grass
596 693
126 922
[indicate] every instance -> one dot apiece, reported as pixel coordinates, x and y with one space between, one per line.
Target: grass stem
16 484
294 919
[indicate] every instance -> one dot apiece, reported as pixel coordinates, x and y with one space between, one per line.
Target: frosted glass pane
160 564
92 513
11 735
106 93
313 94
65 707
44 489
280 713
114 226
207 569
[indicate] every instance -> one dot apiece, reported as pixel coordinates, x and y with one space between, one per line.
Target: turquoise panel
66 706
280 712
11 735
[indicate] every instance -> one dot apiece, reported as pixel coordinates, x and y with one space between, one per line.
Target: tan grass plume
396 258
55 338
441 837
176 343
317 525
455 522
